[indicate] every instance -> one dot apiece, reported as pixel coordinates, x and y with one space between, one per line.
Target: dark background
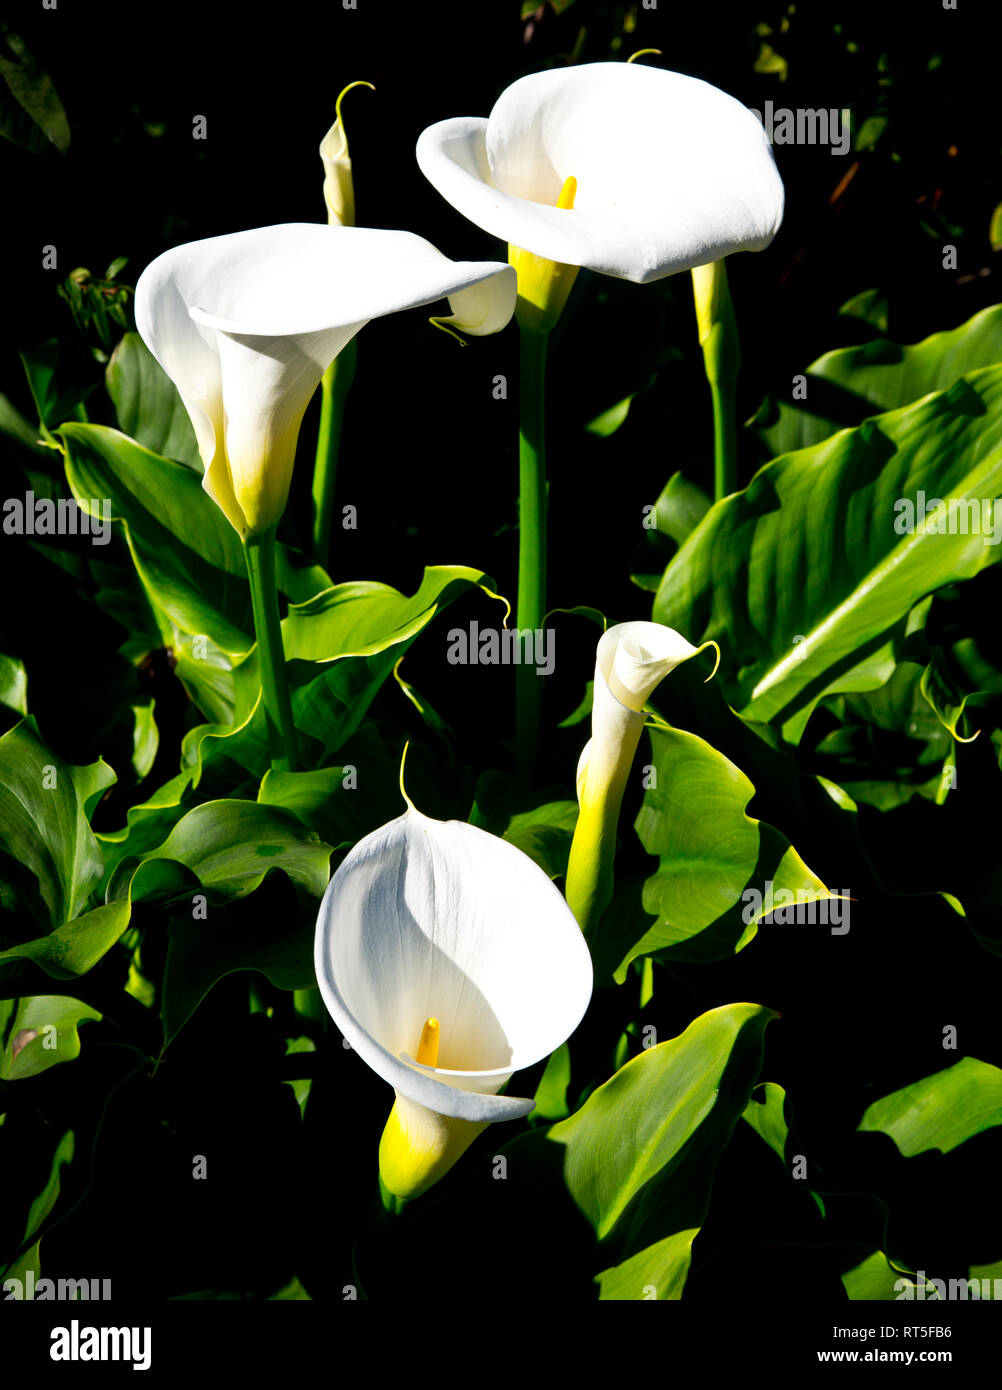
429 460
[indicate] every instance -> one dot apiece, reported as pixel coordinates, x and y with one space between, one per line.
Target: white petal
633 659
671 172
484 308
428 918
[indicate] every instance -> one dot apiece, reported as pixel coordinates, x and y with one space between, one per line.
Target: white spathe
429 918
671 172
631 660
246 324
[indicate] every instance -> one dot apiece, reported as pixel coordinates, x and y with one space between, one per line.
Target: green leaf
551 1093
145 739
677 512
344 803
869 307
54 401
370 623
639 1155
41 1208
766 1113
876 1280
13 684
545 835
147 404
187 554
45 807
803 573
713 860
229 847
225 848
609 421
36 118
38 1032
940 1111
847 386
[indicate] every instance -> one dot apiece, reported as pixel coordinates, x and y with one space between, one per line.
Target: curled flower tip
443 324
337 105
716 664
403 789
641 52
427 1052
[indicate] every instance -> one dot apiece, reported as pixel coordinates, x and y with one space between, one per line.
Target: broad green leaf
36 118
147 404
228 846
640 1153
344 803
846 386
803 573
223 848
188 556
940 1111
46 842
38 1032
358 632
710 889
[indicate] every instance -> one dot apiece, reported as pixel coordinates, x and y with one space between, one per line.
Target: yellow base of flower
419 1146
543 286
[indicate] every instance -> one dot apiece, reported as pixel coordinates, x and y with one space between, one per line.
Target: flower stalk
718 338
530 603
260 556
334 387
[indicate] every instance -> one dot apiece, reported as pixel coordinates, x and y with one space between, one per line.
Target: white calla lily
246 324
449 961
630 662
671 172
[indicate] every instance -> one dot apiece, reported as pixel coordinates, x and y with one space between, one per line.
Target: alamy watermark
948 1289
32 1290
487 646
789 908
807 126
959 516
49 516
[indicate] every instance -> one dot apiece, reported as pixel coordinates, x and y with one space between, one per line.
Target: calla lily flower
246 324
449 961
631 660
670 172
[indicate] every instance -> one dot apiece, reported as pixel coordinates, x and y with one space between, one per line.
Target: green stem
718 337
260 556
531 602
725 436
334 387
